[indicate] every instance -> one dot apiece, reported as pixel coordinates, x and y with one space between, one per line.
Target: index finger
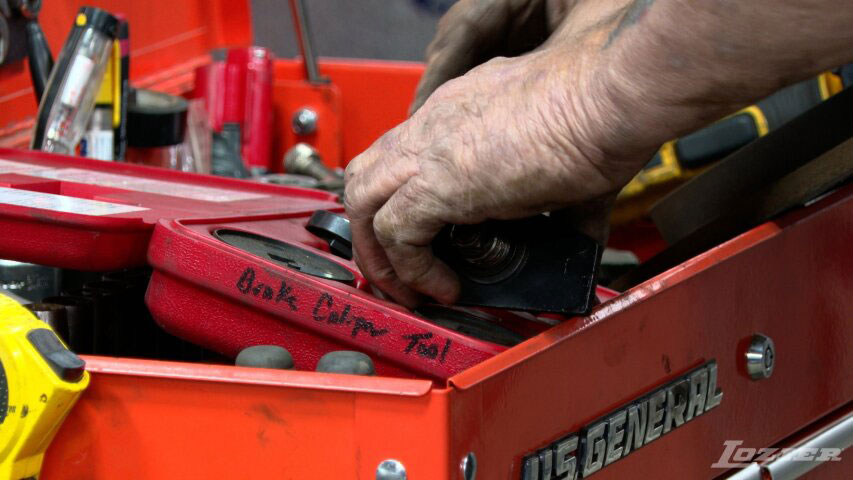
405 227
372 178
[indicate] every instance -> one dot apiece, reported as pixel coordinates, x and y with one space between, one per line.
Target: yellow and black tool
40 380
682 158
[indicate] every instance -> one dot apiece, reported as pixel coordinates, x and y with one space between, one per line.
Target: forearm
679 64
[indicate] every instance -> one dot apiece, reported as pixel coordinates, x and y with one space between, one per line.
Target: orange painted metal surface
788 279
165 35
144 419
290 96
364 100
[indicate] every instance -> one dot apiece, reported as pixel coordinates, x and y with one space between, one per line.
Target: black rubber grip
65 363
790 102
715 141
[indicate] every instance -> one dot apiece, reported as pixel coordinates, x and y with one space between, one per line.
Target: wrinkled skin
511 138
566 125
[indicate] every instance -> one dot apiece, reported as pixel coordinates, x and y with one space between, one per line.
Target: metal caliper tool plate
290 256
470 322
536 264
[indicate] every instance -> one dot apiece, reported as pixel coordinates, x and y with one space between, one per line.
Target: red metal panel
789 280
290 96
374 97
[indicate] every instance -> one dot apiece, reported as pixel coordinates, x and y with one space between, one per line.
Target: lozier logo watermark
735 456
622 432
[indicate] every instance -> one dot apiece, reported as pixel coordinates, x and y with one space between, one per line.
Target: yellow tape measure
40 380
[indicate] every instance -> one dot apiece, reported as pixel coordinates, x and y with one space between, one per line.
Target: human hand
510 139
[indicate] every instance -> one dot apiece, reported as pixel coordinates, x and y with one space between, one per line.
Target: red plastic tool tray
91 215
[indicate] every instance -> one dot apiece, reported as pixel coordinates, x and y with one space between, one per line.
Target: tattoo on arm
633 14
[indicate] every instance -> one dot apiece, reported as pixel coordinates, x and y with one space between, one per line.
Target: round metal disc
285 254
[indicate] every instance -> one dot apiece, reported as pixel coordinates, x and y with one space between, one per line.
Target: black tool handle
41 60
715 141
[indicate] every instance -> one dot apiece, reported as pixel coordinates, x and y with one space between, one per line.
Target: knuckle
353 197
385 229
418 202
353 168
389 142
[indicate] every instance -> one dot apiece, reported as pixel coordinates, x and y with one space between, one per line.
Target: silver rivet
391 470
304 121
469 466
760 357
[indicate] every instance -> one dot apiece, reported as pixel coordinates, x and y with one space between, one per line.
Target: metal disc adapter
470 322
536 264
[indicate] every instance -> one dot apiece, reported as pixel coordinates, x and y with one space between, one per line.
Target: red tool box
499 413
